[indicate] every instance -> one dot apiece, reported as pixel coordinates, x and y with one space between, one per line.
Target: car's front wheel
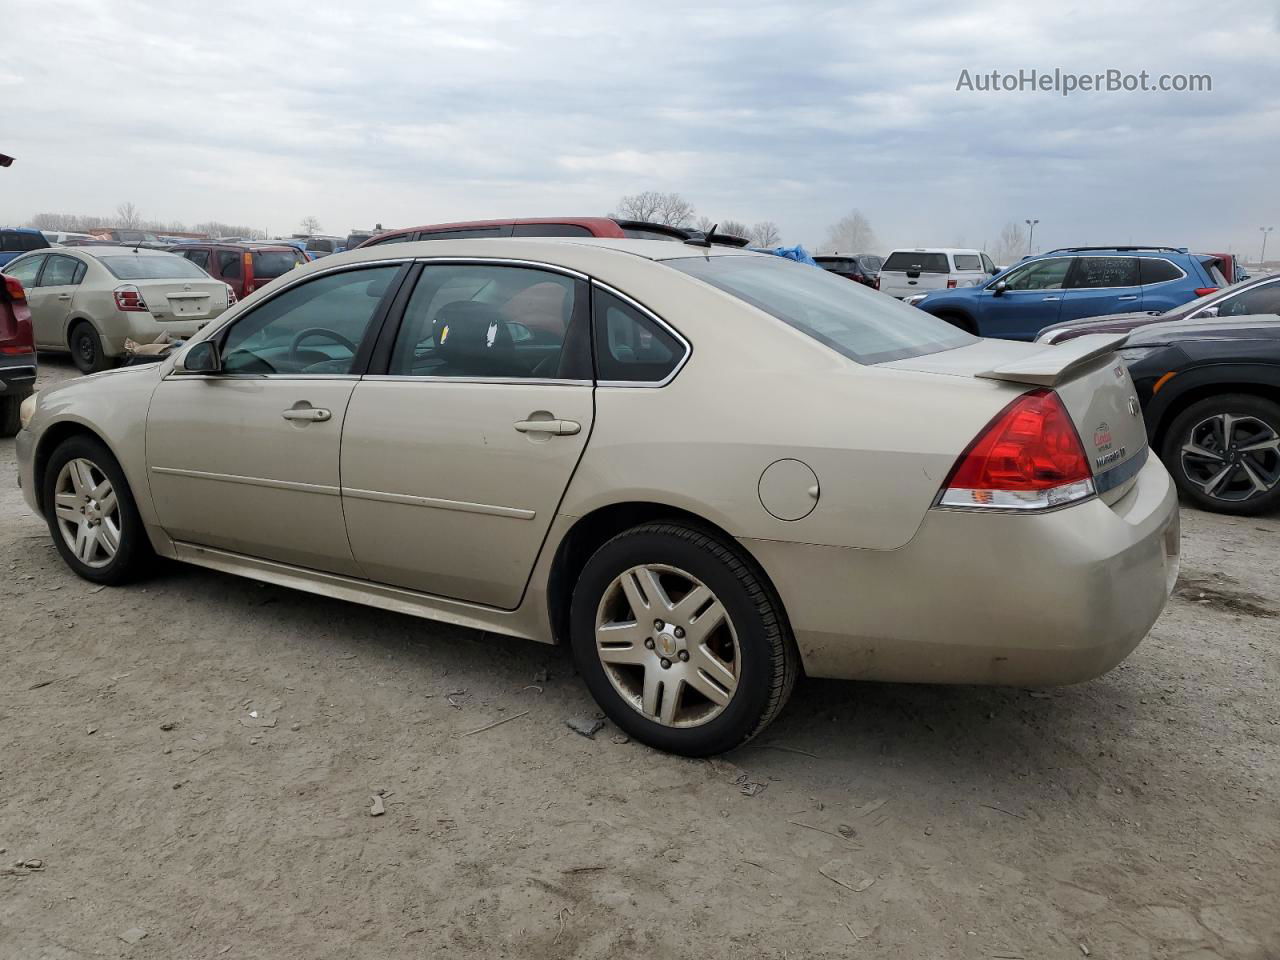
680 640
11 413
92 514
1224 453
86 348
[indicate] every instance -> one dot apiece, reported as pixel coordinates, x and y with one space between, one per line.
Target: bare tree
852 233
766 234
127 215
309 225
1009 244
734 228
654 206
704 224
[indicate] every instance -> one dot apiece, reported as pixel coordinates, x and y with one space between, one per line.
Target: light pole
1263 257
1031 234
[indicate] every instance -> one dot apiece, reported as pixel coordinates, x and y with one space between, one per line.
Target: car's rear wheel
1224 453
92 514
680 640
86 348
10 411
959 320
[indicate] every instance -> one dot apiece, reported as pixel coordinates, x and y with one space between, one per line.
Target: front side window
477 320
1105 272
154 266
60 271
314 328
849 318
1259 300
1040 275
630 347
25 269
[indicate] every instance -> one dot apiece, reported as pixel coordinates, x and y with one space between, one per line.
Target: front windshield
851 319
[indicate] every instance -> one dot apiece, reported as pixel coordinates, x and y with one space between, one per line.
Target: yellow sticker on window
444 333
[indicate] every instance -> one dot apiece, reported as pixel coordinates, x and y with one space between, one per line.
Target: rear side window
550 230
870 265
967 261
396 238
274 263
199 257
1157 270
229 264
1104 272
852 320
467 233
906 261
157 266
631 347
320 245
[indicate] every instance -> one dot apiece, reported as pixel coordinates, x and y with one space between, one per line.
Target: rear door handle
1130 297
64 296
558 428
1050 299
311 414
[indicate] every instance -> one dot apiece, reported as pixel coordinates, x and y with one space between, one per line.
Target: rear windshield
903 260
967 261
133 236
859 323
839 265
274 263
157 266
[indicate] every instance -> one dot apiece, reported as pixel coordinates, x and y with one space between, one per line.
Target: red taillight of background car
129 299
951 284
1028 458
1205 291
876 283
16 335
231 296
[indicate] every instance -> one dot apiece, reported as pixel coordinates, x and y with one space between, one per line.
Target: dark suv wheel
680 641
1224 453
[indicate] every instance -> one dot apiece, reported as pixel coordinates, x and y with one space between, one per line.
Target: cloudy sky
418 112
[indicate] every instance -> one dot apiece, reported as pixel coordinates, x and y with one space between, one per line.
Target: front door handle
1050 299
1130 297
310 414
558 428
64 296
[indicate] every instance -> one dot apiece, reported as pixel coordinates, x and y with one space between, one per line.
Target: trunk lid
183 299
1093 384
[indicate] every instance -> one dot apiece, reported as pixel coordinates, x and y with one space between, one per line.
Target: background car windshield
274 263
134 266
924 262
860 324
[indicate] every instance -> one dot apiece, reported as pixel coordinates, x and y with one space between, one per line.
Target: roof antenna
705 241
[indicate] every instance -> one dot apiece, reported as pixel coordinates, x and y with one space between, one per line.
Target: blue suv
1074 283
15 241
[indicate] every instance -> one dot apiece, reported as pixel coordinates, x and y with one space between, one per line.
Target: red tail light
1028 458
951 284
14 286
129 299
16 335
1205 291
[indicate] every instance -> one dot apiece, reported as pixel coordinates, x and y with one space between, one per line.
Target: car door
1102 285
246 459
1028 301
456 454
51 298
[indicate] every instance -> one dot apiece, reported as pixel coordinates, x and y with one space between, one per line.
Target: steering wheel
314 332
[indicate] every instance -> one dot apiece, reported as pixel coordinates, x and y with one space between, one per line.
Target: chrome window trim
532 381
501 261
300 377
637 305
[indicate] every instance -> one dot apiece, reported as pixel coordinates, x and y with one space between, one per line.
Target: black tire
1236 494
769 661
86 348
133 556
10 406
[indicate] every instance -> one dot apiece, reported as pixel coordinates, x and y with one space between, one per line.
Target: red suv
244 267
17 353
534 227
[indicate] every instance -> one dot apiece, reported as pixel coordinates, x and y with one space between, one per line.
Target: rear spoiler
1055 364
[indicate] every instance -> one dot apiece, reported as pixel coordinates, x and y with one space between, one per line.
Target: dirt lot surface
192 762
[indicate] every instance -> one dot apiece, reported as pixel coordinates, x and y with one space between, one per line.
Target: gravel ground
193 761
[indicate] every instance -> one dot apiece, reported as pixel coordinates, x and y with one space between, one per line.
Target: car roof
106 250
554 249
21 230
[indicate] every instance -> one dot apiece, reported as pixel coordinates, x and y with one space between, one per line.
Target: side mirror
202 358
999 288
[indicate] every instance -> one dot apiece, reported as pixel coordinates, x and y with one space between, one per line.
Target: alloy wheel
87 512
668 645
1232 458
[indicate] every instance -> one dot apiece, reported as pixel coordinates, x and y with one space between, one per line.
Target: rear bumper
1053 598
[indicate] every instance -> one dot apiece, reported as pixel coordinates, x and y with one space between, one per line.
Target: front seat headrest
474 338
